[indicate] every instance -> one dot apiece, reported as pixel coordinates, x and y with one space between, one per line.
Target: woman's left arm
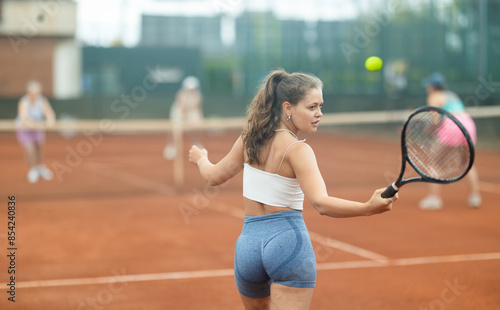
50 116
225 169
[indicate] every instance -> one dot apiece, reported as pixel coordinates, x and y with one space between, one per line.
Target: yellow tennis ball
373 63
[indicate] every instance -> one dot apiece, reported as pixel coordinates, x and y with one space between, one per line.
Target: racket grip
390 191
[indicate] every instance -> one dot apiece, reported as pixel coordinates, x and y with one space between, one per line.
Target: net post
179 155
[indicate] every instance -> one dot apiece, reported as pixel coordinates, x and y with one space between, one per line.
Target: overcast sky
102 22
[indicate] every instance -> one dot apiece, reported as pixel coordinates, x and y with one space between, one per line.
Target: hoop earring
288 118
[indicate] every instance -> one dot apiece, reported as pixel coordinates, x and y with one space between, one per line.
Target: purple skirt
27 137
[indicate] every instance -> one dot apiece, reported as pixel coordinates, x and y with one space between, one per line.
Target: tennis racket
436 145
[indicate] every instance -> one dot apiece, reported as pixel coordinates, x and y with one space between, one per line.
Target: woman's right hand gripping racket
436 145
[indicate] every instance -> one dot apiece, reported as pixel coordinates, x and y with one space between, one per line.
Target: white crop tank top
35 111
271 188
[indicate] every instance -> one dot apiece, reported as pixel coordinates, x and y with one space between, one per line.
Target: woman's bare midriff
254 208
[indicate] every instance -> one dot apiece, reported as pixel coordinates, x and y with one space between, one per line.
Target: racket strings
437 146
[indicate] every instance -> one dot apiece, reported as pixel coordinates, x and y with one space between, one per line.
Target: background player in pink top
439 96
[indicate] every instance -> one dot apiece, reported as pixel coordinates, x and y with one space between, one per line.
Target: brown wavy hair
264 112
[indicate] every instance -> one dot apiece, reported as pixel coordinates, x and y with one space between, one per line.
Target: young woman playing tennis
274 263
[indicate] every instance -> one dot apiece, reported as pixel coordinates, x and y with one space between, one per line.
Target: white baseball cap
191 82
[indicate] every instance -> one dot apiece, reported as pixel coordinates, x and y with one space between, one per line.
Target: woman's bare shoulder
301 149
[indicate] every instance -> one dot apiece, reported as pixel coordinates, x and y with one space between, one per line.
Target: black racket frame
394 187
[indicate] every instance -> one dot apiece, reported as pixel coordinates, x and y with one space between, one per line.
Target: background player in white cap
186 109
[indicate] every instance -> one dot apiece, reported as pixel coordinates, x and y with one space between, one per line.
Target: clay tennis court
115 233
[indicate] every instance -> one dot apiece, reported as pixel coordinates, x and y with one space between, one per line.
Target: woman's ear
287 107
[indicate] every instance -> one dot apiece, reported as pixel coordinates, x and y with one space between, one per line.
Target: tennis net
380 124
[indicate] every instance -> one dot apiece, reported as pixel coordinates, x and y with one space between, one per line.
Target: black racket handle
390 191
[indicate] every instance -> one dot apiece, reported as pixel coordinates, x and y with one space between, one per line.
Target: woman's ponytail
264 112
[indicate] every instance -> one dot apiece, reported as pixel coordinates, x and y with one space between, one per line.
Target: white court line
349 248
444 259
129 278
229 272
410 261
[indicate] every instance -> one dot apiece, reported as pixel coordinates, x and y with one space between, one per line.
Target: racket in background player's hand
436 145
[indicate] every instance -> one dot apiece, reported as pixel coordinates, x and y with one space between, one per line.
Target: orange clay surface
111 231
